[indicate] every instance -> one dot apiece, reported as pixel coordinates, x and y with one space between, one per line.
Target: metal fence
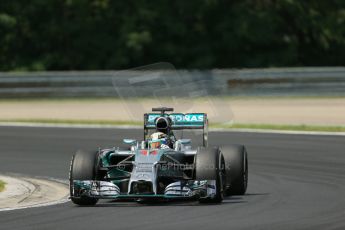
316 81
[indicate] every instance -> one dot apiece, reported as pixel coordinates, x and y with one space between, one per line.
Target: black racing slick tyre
210 165
236 162
83 167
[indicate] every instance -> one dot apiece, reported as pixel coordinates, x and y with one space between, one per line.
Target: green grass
2 185
285 127
227 126
74 122
63 99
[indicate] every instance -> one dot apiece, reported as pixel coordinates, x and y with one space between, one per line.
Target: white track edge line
60 201
29 124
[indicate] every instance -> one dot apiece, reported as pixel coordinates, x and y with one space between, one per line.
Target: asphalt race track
295 182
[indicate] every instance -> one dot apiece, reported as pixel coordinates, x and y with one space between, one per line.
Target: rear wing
180 121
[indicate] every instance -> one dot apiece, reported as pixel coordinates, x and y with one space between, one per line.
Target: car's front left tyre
210 165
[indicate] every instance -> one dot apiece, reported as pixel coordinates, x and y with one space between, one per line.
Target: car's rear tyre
236 162
83 167
210 165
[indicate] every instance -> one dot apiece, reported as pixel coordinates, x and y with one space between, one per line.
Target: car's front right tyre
83 167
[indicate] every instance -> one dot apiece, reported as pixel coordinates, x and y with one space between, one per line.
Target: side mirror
185 141
129 141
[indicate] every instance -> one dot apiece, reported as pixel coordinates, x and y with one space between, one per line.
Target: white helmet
157 135
157 140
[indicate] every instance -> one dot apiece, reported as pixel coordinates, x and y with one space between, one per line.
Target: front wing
176 190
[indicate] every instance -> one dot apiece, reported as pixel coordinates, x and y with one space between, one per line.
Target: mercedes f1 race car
160 166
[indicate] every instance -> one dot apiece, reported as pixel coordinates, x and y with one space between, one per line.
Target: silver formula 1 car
161 166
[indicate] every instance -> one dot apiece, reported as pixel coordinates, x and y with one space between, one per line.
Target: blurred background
202 34
272 64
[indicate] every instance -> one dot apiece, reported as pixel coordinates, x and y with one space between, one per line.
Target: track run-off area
295 182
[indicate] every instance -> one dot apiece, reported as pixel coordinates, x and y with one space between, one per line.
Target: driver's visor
155 144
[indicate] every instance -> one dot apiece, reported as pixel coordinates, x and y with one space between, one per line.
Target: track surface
295 182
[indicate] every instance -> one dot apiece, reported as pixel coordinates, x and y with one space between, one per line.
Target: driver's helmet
158 140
